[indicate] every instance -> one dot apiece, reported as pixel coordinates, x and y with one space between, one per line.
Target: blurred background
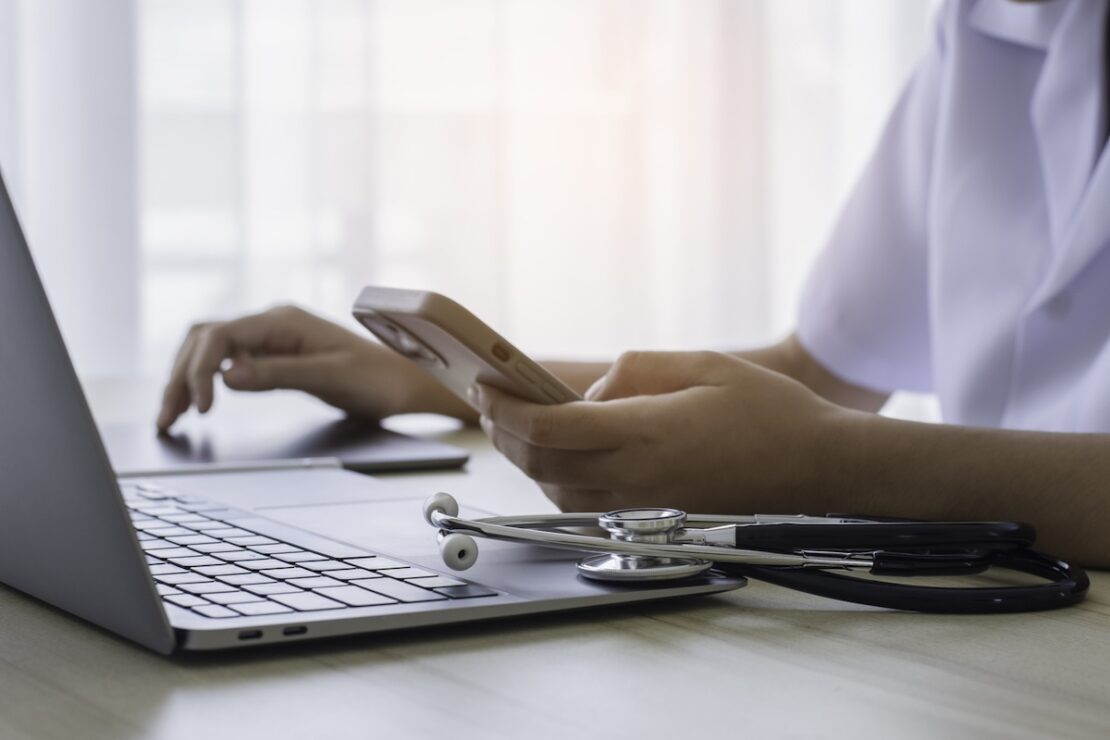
586 175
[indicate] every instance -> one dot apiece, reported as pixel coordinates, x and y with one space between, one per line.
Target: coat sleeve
864 313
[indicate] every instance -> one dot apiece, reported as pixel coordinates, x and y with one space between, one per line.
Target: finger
656 373
311 374
213 346
578 425
175 396
573 468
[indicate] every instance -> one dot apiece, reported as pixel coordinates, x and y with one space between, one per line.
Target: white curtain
588 175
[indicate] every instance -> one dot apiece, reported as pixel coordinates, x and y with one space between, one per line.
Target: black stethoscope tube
1068 584
886 534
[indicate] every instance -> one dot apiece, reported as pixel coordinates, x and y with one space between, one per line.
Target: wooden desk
759 662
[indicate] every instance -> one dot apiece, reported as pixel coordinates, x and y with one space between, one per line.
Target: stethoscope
661 544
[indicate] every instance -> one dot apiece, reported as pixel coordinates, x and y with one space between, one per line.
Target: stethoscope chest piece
639 568
651 526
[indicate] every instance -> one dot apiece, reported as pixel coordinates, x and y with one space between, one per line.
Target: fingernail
472 394
485 423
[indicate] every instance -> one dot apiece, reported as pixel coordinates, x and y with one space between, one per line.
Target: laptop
228 559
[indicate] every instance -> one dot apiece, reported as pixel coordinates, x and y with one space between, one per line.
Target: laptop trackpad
395 527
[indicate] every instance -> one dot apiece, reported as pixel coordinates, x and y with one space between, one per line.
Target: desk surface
761 661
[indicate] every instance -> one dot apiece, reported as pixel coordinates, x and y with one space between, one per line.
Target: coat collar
1028 24
1066 114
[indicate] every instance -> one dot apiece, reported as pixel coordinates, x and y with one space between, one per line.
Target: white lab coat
973 257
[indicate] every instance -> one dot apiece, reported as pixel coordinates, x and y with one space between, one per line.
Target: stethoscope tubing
1068 585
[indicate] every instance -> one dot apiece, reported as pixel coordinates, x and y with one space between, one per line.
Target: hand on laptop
288 347
700 430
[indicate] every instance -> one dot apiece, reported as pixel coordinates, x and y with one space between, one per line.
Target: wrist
837 474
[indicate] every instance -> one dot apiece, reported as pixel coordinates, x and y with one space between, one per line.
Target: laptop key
260 608
155 544
195 561
314 583
148 523
307 602
324 565
264 564
164 590
192 539
163 569
234 597
437 582
246 579
185 600
226 530
353 574
168 531
153 495
298 556
171 552
235 557
354 596
252 540
218 612
399 590
185 517
152 509
222 570
375 563
467 591
183 577
206 525
271 588
274 549
287 573
211 587
217 547
407 573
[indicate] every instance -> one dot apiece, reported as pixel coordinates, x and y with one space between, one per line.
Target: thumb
656 373
301 373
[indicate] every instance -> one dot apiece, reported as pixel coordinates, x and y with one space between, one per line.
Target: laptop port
250 634
290 631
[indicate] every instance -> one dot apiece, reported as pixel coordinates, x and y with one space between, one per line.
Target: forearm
792 359
1056 482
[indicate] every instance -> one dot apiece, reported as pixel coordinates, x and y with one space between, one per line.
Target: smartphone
454 345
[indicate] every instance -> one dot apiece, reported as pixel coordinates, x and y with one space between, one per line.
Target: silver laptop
224 560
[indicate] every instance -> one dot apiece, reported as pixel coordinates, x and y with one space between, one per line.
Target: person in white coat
972 261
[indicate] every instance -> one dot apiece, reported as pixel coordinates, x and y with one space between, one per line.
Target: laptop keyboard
202 560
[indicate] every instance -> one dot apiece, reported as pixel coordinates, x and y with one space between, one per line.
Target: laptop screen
64 533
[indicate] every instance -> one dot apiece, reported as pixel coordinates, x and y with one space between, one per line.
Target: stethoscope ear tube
882 534
1068 584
